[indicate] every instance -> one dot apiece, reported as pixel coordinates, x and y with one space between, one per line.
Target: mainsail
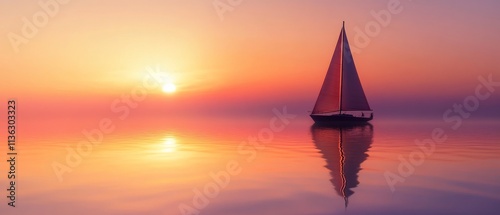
341 90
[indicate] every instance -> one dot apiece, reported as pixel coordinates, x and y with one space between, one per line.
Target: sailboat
342 99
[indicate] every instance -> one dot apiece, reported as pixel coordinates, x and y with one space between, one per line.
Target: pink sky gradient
263 54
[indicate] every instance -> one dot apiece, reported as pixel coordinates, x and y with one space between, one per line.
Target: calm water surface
162 166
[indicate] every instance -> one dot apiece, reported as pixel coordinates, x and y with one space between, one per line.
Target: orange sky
262 54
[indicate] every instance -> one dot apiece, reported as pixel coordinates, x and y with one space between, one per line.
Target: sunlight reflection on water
304 170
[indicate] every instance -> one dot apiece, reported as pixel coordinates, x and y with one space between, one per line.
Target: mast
341 65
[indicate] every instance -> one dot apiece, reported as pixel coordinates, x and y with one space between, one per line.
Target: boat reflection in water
344 148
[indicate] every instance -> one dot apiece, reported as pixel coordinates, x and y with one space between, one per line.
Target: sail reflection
344 149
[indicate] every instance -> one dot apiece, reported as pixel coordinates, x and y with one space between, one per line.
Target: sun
169 145
169 88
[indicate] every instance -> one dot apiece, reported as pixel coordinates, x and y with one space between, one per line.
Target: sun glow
169 144
169 88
